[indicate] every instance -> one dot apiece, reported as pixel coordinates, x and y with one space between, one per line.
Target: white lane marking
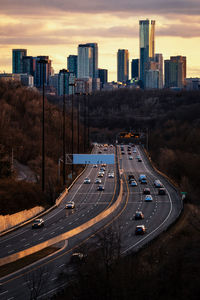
61 228
11 298
4 293
8 246
40 238
53 279
27 245
26 282
61 266
52 232
10 251
70 223
22 240
35 234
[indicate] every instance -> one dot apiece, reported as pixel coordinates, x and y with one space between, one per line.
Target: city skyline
56 29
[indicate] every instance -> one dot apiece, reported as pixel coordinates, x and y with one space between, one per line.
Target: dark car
140 229
139 215
161 191
38 223
146 191
100 188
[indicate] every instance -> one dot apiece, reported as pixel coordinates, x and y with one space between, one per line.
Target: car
139 159
105 149
99 151
37 223
95 166
111 175
133 183
146 191
70 205
100 174
137 156
140 229
158 184
148 198
102 169
123 152
161 191
143 181
130 157
87 180
142 176
77 257
134 151
98 180
100 188
139 215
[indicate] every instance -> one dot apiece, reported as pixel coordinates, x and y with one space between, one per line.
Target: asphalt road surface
158 215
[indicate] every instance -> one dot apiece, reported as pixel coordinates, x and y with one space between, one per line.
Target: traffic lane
80 215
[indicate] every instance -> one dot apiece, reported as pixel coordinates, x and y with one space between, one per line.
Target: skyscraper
135 66
103 75
122 65
28 65
147 46
72 64
88 60
85 62
17 60
175 72
159 63
38 76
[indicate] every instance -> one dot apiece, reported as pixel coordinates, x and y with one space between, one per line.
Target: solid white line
4 293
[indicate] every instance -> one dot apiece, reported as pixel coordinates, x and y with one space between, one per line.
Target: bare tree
36 282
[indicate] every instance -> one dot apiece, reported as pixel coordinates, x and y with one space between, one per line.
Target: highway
158 215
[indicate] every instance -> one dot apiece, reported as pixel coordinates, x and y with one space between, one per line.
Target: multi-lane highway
89 202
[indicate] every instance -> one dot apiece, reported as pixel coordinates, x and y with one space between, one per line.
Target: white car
87 180
98 180
130 157
111 175
134 151
70 204
100 174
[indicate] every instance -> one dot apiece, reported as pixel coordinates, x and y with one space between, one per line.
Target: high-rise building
152 79
159 63
72 64
38 75
85 62
88 60
17 60
135 67
175 72
28 65
103 75
147 46
122 65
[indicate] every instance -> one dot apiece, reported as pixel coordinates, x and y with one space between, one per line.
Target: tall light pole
43 63
78 122
64 72
88 119
72 123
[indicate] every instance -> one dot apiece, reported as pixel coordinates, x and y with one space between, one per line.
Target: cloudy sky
56 27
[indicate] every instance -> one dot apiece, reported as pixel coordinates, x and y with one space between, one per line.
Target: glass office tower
147 46
17 60
122 65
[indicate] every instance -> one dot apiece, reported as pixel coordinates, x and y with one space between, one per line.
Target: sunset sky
56 27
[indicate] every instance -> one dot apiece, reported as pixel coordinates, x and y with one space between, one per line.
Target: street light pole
72 123
64 125
43 63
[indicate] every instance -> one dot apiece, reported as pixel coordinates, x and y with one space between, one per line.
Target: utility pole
64 71
43 63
